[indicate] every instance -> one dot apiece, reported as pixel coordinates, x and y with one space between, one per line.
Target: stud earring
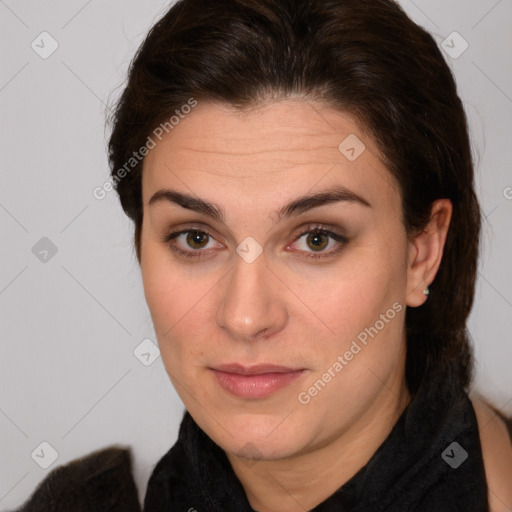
426 291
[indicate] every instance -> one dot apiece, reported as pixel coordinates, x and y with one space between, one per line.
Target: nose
251 306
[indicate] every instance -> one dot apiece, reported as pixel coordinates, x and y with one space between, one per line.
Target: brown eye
317 241
197 239
191 243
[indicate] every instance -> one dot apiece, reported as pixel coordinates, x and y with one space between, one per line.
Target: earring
426 291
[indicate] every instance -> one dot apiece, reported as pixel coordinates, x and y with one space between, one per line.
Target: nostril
263 334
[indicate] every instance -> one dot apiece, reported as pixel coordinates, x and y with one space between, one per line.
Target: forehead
278 149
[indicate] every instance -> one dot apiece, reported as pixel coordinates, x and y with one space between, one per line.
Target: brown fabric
100 481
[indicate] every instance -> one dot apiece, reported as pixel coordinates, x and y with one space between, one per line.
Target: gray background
70 323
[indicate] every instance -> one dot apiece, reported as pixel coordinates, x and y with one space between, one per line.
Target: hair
365 57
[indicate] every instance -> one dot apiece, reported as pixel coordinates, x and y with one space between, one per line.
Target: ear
426 251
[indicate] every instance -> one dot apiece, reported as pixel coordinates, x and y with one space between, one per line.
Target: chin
261 448
256 436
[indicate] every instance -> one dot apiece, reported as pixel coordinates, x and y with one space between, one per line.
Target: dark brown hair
362 56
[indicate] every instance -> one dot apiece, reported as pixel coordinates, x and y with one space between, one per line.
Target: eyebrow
299 205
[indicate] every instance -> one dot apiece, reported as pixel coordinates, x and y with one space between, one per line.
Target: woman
301 184
300 179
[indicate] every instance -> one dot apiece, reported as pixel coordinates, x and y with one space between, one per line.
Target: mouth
255 382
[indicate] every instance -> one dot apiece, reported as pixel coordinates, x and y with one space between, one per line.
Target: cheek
354 294
364 344
362 307
178 303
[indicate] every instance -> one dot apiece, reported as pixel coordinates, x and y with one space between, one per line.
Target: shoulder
497 454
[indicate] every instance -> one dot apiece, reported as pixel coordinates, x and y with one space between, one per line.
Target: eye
316 239
194 242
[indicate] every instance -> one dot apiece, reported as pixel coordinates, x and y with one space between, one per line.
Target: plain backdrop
72 309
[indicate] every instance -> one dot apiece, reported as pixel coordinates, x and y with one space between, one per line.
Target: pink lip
257 381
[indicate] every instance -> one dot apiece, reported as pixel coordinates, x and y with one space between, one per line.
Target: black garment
416 469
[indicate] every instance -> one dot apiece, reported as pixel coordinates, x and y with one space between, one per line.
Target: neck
304 481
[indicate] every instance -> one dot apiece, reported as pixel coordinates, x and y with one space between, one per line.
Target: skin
283 308
497 454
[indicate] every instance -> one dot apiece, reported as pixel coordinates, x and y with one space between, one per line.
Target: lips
259 369
255 382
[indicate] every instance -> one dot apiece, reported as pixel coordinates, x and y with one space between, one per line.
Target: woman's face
279 311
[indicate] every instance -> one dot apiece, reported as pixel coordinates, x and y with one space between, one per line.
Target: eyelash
311 229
